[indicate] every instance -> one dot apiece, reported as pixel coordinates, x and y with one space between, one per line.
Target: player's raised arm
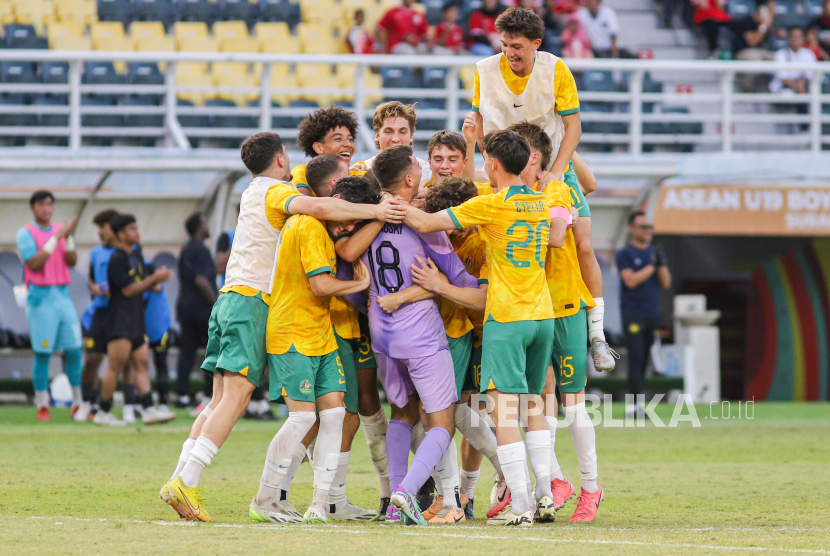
427 223
339 210
584 176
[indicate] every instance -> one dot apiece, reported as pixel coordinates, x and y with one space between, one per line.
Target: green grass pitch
736 486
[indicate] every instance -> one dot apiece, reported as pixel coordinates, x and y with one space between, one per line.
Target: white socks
468 482
337 493
584 438
186 447
77 398
538 451
374 427
478 434
448 473
555 468
296 462
42 398
596 315
326 459
514 464
280 453
200 456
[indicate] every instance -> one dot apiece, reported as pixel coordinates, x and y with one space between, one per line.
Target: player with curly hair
330 130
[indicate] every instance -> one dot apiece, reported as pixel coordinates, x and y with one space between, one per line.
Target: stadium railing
627 113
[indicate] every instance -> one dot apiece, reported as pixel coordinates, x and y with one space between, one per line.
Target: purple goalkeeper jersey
415 329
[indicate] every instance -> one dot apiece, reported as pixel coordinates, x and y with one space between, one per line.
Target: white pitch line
422 531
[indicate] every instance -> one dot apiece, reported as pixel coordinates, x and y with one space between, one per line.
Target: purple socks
398 436
429 453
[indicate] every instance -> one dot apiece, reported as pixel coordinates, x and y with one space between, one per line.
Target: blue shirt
99 260
644 300
156 315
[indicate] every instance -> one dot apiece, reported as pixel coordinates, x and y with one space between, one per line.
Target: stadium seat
71 43
346 80
235 80
187 30
227 120
124 11
281 10
790 13
242 44
52 120
198 10
317 76
146 30
321 11
434 8
102 73
157 10
192 75
598 81
141 120
230 30
22 36
266 30
229 69
100 120
239 10
277 70
191 120
741 8
15 118
431 123
198 44
814 8
55 72
145 73
6 12
156 44
63 29
287 45
17 72
316 38
310 105
36 13
83 12
435 78
283 81
106 30
399 78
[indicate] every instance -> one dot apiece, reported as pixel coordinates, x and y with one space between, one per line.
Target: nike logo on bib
517 105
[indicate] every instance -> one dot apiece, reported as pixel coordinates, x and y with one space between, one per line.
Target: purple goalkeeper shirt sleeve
437 246
359 300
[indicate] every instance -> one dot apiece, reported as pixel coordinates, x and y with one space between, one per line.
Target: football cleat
603 355
315 515
346 511
83 412
108 419
286 505
587 505
393 515
271 514
511 519
189 502
406 503
128 414
384 506
448 514
433 510
156 416
426 495
562 492
499 498
43 414
545 510
468 509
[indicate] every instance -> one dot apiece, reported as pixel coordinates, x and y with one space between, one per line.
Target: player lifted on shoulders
571 298
236 339
524 85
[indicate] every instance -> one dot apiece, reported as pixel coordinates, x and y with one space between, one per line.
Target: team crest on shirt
45 343
305 387
637 261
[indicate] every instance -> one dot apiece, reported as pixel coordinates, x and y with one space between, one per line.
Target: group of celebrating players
424 273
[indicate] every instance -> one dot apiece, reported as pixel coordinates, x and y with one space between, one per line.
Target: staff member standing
643 273
49 251
197 293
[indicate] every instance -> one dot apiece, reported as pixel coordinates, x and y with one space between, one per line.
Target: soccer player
410 344
394 124
236 346
330 130
48 252
517 227
570 298
128 279
94 318
305 368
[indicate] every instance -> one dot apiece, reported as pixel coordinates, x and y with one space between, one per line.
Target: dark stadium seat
434 11
145 73
198 10
280 10
23 36
599 81
118 10
400 78
431 123
102 73
112 119
157 10
277 122
52 120
815 8
435 78
191 120
229 120
17 72
55 72
15 119
741 8
601 127
141 120
301 103
791 13
239 10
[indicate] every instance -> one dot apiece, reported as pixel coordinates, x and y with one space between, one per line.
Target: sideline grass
730 486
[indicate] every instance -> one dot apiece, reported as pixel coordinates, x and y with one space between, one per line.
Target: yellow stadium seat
322 11
230 30
147 29
316 76
106 30
266 30
467 75
304 71
185 30
287 45
113 43
240 44
283 82
70 43
193 80
373 12
61 29
84 12
277 70
6 11
197 44
34 12
228 69
316 38
346 80
156 44
236 80
185 69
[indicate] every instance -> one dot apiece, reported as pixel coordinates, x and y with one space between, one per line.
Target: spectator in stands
643 273
48 252
710 17
793 81
575 41
686 12
813 43
359 39
484 40
751 32
402 30
449 36
197 293
603 28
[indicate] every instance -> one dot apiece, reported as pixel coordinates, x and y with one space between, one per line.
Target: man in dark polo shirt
643 273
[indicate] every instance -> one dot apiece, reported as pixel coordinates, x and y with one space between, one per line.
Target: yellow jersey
277 199
564 85
568 292
344 319
514 224
298 178
297 316
472 252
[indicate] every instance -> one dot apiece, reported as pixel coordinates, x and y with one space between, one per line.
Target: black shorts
160 345
136 341
95 339
194 334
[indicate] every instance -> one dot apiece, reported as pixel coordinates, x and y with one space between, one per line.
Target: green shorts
304 378
473 380
349 351
460 351
516 355
570 352
236 336
364 356
577 197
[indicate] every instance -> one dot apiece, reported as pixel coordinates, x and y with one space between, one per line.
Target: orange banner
743 210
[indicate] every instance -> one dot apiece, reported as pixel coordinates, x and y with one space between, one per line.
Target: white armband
70 243
50 245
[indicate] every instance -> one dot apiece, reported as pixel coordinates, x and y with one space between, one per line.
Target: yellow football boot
187 501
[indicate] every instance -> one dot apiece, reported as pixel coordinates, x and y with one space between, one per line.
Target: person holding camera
643 273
